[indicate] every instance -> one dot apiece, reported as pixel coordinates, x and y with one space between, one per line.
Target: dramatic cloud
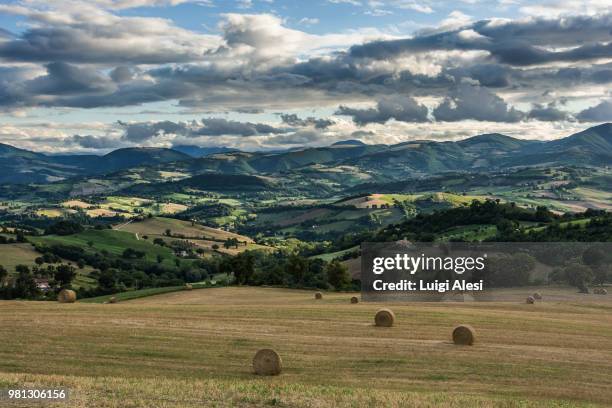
92 35
474 102
294 120
140 132
520 42
548 112
94 142
400 108
218 127
601 112
82 58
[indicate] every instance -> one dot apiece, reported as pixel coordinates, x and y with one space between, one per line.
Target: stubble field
194 349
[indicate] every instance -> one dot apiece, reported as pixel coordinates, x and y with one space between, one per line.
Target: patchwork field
194 348
158 226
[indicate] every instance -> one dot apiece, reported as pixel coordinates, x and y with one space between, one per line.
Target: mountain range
591 147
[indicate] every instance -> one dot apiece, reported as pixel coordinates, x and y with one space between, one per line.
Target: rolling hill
486 152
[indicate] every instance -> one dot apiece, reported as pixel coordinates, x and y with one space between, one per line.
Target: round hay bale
66 296
354 299
464 335
596 291
113 299
537 296
267 362
188 286
600 291
530 300
384 318
318 295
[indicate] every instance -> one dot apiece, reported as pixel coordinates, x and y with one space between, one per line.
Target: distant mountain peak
350 142
198 151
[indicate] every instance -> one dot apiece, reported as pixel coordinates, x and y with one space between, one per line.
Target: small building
42 284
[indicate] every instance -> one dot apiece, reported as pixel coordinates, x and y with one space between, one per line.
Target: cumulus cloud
94 142
86 55
602 112
549 112
143 131
518 42
87 34
400 108
295 120
140 132
220 126
475 102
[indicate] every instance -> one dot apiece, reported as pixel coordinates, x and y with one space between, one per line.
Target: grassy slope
115 242
158 225
195 348
12 255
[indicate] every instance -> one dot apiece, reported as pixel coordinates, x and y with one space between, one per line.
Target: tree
297 267
64 275
160 258
243 266
25 286
579 276
3 274
169 232
20 236
107 281
64 228
337 274
595 258
130 253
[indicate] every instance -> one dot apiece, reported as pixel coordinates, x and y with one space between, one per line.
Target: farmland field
194 348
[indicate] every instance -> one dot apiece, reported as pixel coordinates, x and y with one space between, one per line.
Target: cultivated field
194 349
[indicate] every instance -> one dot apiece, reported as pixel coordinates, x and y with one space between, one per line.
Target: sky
96 75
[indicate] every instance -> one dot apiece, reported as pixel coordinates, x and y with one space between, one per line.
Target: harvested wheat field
195 348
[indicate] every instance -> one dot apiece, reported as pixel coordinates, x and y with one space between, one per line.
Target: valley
140 218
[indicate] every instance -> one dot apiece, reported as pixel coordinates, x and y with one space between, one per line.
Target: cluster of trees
425 227
288 270
65 227
129 270
24 285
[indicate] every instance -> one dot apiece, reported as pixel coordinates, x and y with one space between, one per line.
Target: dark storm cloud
400 108
295 120
601 112
474 102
